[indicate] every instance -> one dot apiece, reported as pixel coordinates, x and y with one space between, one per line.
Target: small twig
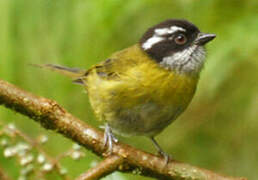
52 116
35 144
107 166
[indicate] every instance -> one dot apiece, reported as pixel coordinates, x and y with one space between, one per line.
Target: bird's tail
74 73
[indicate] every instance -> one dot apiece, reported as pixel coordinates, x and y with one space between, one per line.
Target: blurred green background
219 130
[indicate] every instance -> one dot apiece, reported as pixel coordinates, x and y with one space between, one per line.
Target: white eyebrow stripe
162 31
171 30
151 41
159 32
176 28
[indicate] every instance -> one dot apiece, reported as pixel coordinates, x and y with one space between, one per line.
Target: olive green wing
106 69
112 68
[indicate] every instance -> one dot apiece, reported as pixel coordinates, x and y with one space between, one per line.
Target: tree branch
52 116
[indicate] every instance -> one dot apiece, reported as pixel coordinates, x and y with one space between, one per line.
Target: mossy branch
124 157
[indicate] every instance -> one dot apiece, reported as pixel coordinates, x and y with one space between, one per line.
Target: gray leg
161 152
109 138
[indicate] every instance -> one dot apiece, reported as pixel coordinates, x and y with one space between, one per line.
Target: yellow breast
143 98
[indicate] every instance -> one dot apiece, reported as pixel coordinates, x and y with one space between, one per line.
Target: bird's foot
109 139
165 156
160 151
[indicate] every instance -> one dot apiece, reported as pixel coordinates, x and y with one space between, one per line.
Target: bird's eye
180 39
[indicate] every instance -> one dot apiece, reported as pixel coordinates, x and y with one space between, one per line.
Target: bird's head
176 45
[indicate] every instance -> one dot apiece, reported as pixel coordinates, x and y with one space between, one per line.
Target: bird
140 90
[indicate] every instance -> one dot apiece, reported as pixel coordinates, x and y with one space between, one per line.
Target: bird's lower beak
204 38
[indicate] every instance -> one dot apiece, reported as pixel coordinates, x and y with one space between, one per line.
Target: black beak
204 38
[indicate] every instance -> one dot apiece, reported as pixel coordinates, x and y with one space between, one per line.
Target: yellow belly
143 100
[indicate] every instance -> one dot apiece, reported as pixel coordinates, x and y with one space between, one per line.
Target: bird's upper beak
204 38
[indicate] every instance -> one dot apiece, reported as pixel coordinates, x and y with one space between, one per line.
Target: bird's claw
165 156
160 151
109 138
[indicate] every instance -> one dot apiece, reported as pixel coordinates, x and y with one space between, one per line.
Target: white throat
189 60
